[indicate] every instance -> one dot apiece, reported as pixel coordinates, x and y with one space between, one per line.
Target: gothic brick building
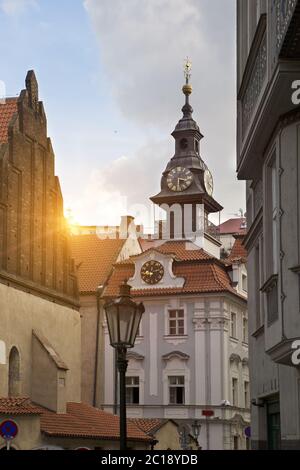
39 318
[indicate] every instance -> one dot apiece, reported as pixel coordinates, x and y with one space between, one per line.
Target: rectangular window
247 394
257 283
233 325
244 283
132 390
272 301
176 322
139 331
235 443
245 330
234 391
271 211
176 390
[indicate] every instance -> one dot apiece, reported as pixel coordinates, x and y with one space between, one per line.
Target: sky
110 74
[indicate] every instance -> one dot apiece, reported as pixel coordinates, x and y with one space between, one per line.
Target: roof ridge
217 278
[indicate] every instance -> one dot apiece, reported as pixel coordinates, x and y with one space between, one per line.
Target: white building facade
268 53
190 359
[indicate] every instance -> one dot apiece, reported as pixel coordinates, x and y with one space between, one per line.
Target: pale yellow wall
168 438
29 435
20 314
48 384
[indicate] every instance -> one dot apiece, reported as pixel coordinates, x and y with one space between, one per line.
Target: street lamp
123 319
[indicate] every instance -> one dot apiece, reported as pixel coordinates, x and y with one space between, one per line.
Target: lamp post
123 319
196 428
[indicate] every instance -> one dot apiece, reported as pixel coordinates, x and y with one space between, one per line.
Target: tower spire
187 89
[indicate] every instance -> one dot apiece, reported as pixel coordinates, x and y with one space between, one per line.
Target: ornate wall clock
179 179
152 272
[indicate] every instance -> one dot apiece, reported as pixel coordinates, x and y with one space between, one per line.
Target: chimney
126 221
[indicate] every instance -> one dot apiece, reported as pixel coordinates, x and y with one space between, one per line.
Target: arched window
14 373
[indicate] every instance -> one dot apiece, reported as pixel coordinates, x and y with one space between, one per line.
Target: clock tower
187 184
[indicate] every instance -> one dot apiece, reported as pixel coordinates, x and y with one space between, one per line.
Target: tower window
197 146
183 144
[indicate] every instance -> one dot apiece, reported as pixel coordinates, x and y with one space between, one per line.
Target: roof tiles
18 406
233 226
82 420
7 111
202 272
238 252
94 258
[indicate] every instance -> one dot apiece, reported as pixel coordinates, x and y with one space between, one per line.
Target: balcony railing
255 85
212 230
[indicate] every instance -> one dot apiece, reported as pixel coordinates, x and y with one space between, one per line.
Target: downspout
99 291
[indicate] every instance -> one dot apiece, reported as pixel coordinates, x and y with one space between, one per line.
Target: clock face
208 182
152 272
179 179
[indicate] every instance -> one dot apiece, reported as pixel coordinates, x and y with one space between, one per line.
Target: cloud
142 46
122 188
15 7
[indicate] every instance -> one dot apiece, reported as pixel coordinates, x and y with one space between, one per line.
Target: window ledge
269 284
260 331
176 337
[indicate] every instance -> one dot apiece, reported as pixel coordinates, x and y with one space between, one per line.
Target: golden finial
187 88
187 69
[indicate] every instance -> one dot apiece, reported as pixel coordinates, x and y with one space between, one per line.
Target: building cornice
39 291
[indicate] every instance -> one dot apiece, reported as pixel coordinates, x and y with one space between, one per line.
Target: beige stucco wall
168 438
20 314
29 434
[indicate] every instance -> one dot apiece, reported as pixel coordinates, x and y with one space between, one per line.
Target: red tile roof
233 226
238 252
184 251
146 243
7 110
94 259
202 273
149 425
18 406
181 250
82 420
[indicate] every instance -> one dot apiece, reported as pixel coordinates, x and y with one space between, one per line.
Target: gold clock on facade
179 179
152 272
